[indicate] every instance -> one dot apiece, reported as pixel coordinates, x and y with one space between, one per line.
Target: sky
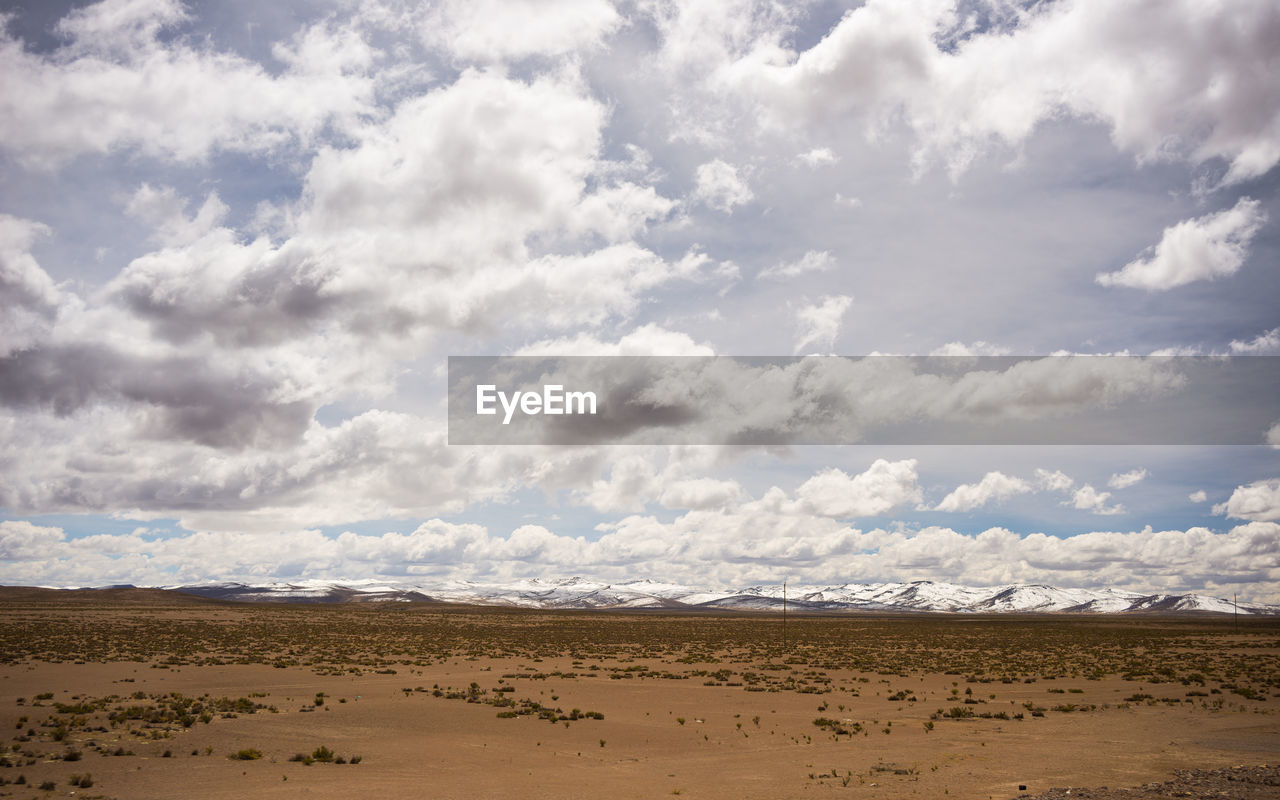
240 240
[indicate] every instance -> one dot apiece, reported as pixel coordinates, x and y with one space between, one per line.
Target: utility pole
784 614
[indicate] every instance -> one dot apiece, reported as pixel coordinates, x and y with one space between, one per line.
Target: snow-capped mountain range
580 593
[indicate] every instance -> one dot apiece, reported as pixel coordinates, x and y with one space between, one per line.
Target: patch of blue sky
78 526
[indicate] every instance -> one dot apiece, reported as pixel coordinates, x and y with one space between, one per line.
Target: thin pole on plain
784 613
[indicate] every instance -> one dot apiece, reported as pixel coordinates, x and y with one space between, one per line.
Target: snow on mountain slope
581 593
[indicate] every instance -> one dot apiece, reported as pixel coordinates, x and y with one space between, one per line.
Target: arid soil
152 695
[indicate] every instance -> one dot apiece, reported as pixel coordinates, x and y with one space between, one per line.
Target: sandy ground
659 736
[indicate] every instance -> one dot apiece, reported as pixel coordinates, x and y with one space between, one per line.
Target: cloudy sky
239 241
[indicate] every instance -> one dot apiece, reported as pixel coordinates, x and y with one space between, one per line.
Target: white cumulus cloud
646 340
719 185
994 487
1123 480
1258 501
819 324
960 349
496 30
884 486
1087 498
114 84
698 493
818 156
1204 248
1267 343
1054 481
1179 79
811 261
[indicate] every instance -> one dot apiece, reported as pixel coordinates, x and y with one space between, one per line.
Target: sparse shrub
248 754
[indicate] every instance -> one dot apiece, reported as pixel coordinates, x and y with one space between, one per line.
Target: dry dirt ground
155 696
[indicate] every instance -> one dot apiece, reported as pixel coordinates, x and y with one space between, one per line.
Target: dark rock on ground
1234 783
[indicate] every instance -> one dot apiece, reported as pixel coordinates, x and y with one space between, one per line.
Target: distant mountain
122 594
580 593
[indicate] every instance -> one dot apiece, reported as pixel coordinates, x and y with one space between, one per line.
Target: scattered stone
1235 783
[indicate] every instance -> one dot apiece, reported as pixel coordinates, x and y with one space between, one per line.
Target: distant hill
115 595
580 593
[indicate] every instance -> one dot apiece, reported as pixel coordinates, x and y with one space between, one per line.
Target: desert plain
148 694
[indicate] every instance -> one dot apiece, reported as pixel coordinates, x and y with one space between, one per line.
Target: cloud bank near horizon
739 549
